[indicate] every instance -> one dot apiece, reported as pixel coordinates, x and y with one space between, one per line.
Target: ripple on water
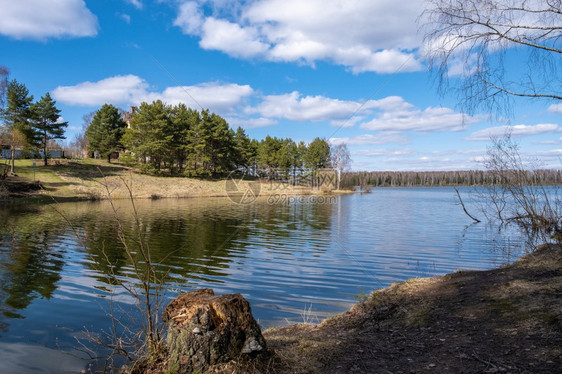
293 262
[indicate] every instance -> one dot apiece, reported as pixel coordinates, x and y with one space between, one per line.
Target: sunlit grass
86 179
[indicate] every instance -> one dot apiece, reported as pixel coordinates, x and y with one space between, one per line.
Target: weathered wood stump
205 330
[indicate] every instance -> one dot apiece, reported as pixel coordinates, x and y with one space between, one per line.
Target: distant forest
439 178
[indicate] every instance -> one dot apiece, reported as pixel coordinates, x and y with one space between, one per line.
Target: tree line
441 178
167 139
25 123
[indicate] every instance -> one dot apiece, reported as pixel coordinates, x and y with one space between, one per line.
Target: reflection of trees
185 246
99 236
201 239
30 267
296 219
198 246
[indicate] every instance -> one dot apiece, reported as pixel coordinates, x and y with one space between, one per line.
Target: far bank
88 179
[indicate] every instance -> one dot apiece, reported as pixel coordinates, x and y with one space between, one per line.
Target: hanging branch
463 207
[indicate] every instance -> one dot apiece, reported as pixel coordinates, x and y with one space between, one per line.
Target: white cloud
295 107
121 89
385 152
244 107
42 19
549 142
231 38
190 18
555 108
363 35
390 104
136 3
385 61
347 122
389 114
130 89
125 17
370 139
517 130
549 159
214 96
407 159
550 153
251 123
399 115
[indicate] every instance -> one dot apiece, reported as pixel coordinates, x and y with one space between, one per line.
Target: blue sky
349 71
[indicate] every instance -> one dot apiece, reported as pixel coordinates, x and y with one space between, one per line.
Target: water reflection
29 268
285 258
193 241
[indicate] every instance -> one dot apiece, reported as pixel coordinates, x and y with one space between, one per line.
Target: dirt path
506 320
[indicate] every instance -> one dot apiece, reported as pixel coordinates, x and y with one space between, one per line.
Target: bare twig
463 207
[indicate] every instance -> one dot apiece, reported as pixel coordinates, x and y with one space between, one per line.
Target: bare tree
86 121
341 160
145 285
472 39
77 146
518 198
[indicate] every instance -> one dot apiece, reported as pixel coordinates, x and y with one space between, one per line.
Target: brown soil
502 320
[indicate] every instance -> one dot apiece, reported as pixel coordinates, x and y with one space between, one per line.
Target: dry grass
85 179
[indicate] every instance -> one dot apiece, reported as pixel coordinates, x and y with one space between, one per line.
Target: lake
294 260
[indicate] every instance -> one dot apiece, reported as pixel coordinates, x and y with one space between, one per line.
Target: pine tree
46 122
210 146
105 131
197 137
296 153
244 152
220 145
318 154
268 152
183 119
150 136
17 116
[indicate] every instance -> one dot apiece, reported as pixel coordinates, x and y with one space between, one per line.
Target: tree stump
205 330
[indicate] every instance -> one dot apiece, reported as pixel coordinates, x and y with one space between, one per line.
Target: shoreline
90 180
507 319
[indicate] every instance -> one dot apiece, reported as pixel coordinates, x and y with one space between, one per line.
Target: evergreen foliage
46 124
176 140
105 131
17 116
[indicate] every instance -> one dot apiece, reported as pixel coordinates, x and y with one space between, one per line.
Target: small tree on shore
17 117
517 198
341 160
105 131
46 122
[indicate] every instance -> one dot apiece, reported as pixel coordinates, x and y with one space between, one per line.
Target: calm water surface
284 258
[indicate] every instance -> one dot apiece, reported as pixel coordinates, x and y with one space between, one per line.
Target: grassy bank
502 320
87 179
